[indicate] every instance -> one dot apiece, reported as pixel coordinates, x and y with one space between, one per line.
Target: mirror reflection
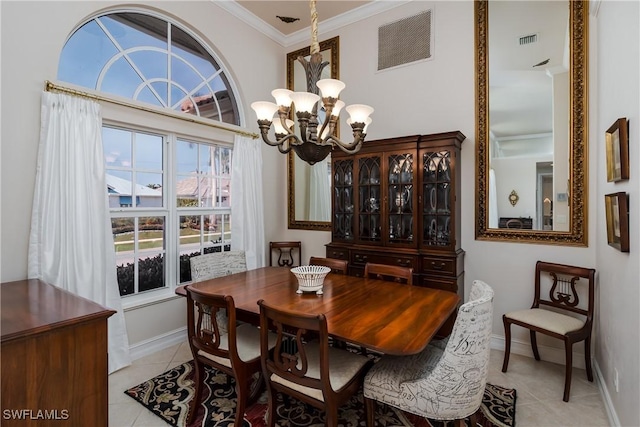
531 87
310 186
528 114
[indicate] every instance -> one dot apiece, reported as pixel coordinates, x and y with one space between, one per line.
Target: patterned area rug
168 396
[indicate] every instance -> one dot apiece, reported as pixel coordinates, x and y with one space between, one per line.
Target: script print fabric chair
217 264
338 266
446 381
322 376
558 313
285 252
236 352
394 273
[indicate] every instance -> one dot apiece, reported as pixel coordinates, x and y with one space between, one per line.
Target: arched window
148 59
168 185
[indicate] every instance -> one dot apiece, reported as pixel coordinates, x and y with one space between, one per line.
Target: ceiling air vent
528 39
407 40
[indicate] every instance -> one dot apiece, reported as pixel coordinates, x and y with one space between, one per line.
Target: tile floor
539 386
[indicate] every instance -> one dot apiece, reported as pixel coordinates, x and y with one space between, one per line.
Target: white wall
426 97
618 327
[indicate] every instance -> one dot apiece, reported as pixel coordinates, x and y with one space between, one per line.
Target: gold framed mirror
309 201
558 214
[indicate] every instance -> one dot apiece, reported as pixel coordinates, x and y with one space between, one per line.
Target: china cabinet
396 202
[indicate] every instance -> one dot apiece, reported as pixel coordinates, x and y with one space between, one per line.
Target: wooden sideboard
53 356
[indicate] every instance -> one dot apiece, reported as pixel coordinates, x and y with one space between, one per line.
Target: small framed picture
617 144
617 214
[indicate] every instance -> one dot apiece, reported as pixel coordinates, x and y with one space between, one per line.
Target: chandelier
316 137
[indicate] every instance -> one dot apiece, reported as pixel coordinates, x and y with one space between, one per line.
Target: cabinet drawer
361 258
338 253
444 266
437 283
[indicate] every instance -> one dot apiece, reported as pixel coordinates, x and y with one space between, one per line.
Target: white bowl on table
310 278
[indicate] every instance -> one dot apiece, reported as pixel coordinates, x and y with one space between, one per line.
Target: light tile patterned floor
539 386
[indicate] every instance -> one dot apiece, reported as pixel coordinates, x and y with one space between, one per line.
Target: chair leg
534 344
568 347
242 392
587 358
459 422
369 411
331 416
473 419
195 402
271 408
507 343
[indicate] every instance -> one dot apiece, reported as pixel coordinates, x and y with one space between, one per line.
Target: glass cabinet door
437 212
401 195
369 199
343 201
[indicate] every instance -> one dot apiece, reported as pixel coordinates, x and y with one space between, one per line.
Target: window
168 185
148 59
158 216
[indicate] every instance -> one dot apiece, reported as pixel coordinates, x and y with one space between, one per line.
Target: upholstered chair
563 308
446 381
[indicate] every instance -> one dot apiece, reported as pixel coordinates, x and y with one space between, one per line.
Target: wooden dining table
388 317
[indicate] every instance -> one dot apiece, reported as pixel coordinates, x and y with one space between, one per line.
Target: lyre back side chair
393 273
446 381
558 313
232 349
339 266
285 251
310 371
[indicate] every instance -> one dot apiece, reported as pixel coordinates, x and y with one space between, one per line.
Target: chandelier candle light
315 141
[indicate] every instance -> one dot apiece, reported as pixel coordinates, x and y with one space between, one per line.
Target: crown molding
332 24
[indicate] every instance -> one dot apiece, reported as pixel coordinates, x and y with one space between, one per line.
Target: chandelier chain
315 46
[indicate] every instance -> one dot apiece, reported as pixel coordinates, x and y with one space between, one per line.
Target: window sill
148 299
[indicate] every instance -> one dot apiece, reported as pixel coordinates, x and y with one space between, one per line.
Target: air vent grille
404 41
528 39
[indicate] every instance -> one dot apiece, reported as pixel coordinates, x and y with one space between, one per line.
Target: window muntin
145 197
148 59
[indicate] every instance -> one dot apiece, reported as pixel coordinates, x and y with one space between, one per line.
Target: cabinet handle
361 257
403 262
337 254
437 266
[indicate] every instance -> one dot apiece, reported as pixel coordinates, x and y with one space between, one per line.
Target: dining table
387 317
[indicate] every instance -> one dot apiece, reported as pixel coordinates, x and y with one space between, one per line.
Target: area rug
168 396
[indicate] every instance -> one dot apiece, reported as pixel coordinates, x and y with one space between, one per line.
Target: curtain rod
52 87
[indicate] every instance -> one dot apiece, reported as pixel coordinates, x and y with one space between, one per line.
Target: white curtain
320 192
71 242
247 206
493 200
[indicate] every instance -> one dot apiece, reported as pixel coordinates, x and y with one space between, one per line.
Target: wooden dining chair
339 266
310 371
446 381
393 273
285 252
559 313
236 352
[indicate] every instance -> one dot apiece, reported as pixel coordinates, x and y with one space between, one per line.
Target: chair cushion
547 319
343 366
248 343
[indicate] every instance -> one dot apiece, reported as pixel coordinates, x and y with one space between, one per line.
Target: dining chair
393 273
339 266
217 264
310 371
285 251
236 352
559 313
446 381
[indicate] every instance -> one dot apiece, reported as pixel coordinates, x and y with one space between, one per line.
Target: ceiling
268 10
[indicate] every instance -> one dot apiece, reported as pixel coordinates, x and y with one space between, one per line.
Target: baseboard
549 354
614 421
157 343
